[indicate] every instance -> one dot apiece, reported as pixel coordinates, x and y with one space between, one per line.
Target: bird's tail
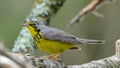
89 41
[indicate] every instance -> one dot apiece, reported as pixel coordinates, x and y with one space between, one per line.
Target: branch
29 61
109 62
11 60
44 9
89 8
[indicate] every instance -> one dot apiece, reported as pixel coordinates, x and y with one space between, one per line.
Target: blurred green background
14 12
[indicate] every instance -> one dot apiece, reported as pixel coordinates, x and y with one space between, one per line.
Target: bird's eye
33 24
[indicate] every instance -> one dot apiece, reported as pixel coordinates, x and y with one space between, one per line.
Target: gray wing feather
59 35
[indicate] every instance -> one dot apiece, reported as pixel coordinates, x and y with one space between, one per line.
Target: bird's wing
59 35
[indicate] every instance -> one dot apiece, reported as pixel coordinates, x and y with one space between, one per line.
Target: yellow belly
50 46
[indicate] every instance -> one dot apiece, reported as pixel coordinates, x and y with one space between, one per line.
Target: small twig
85 11
90 7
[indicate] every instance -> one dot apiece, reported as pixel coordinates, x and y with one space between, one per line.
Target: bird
54 41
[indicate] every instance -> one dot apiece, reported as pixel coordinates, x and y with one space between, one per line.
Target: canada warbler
54 41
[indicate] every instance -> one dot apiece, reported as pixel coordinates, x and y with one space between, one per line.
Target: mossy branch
29 61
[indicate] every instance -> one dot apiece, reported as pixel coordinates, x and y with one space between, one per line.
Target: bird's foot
53 57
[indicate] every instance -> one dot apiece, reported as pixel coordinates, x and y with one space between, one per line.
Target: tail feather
89 41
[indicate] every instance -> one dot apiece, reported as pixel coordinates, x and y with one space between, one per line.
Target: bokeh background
14 12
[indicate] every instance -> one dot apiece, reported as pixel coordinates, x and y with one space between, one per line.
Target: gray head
37 25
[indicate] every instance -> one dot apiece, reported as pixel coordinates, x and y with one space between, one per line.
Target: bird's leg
54 56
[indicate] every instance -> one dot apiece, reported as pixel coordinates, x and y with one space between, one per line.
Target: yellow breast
48 46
